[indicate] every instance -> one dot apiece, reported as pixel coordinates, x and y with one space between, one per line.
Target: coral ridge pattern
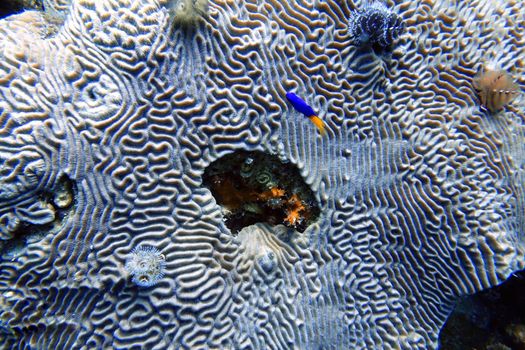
420 190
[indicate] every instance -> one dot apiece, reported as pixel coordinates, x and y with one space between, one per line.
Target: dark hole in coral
491 319
254 187
11 7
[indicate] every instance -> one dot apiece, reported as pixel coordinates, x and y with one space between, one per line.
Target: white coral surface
421 192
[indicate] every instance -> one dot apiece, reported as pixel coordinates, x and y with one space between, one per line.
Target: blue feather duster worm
375 24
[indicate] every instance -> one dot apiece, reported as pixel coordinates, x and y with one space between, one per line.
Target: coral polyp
146 265
375 24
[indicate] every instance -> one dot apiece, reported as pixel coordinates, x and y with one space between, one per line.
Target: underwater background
261 174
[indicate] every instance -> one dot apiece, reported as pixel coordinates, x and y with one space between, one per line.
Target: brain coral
421 193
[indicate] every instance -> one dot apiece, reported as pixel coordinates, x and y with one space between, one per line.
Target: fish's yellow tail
318 122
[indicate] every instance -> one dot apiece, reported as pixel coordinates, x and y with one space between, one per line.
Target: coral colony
133 125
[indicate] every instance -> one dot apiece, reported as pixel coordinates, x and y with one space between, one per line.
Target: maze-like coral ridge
421 193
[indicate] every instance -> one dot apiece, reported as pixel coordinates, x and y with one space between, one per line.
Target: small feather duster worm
375 24
495 88
186 12
146 265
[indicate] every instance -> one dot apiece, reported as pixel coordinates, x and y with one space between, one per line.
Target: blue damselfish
301 106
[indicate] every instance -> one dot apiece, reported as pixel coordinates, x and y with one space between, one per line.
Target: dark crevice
12 7
491 319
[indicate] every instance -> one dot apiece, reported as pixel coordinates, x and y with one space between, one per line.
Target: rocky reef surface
493 319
